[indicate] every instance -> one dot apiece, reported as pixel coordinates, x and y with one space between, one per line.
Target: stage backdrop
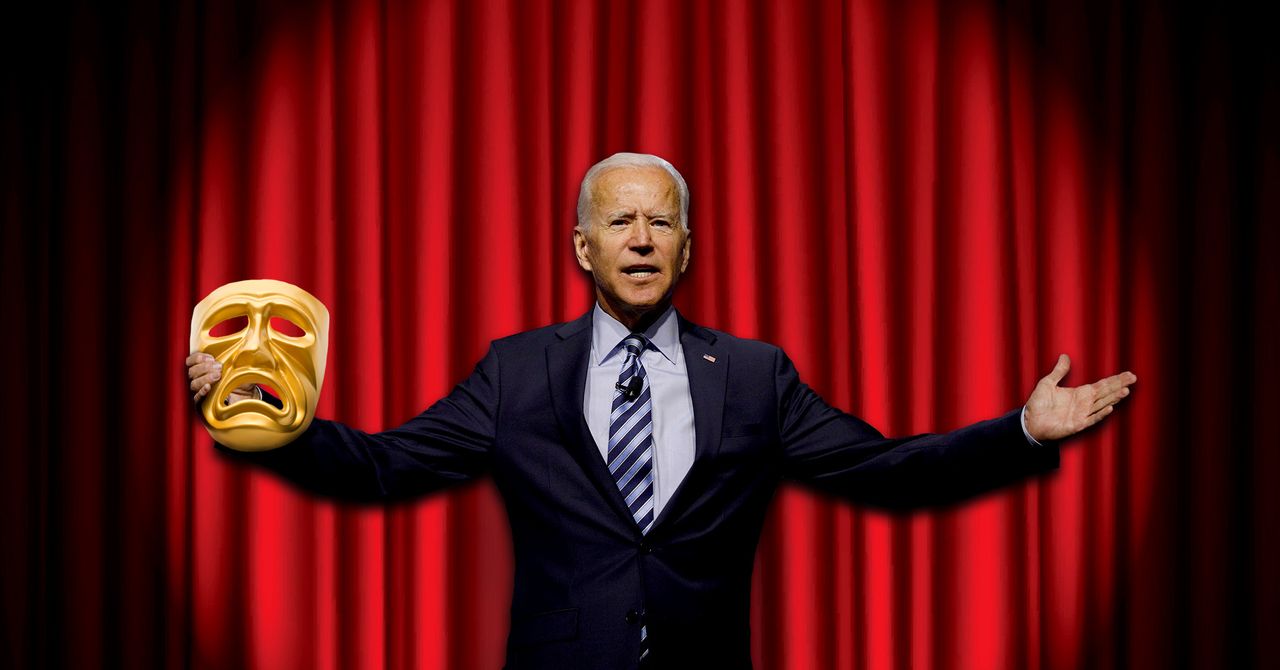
922 202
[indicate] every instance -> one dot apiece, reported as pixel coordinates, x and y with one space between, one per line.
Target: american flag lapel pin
710 358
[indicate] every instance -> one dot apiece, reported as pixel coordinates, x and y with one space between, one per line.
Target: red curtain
922 202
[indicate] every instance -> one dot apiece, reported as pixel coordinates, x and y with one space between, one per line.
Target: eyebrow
631 214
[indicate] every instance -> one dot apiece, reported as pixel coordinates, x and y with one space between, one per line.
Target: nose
253 351
641 237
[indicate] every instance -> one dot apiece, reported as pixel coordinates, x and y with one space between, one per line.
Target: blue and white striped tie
631 436
631 445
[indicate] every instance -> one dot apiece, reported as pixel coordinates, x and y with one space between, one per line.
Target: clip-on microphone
631 390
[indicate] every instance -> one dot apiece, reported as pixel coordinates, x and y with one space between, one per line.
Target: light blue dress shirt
673 432
673 436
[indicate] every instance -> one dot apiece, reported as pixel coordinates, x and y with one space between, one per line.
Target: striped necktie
631 444
631 435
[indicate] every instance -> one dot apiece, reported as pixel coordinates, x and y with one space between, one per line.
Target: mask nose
253 351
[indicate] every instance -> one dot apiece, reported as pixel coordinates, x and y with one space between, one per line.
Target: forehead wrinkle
662 208
262 302
610 184
258 307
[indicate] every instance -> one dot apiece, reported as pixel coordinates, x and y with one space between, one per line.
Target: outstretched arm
445 445
1055 412
843 455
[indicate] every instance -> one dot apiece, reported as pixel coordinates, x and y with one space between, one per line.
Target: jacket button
633 617
646 548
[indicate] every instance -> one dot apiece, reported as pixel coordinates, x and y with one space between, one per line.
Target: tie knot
635 343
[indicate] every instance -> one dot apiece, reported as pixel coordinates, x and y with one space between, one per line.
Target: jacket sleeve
447 444
843 455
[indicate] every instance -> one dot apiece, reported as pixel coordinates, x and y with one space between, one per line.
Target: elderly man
637 452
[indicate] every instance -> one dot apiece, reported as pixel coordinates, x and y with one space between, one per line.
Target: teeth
639 273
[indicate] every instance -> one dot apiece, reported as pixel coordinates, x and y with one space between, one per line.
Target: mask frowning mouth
289 360
227 411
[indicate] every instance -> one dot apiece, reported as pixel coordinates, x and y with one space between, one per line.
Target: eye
662 223
618 222
286 327
229 327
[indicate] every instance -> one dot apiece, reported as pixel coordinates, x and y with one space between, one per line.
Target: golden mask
265 351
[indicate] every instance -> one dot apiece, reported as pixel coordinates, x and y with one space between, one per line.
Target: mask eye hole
286 327
229 327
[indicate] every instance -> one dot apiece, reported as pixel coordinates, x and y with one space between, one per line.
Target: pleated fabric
922 202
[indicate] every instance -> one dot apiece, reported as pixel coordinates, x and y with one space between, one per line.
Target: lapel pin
710 358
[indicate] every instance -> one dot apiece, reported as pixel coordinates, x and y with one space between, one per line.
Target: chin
642 303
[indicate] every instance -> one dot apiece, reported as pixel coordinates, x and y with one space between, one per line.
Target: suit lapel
567 361
708 368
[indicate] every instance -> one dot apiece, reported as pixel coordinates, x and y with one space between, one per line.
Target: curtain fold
922 202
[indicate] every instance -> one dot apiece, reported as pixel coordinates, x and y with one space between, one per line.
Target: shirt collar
607 334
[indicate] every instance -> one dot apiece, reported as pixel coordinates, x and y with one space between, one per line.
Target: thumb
1059 370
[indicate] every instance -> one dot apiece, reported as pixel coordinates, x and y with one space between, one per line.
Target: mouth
640 271
252 406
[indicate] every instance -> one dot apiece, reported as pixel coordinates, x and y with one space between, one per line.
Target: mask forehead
291 365
258 295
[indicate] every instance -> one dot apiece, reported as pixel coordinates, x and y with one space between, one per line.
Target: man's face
635 245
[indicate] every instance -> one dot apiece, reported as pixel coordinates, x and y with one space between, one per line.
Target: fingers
1125 378
200 363
1107 399
203 371
1098 416
205 380
1112 389
201 385
1060 370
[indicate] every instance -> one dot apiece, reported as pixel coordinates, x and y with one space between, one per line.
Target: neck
635 320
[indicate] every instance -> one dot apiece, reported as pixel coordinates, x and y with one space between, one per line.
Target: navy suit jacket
585 578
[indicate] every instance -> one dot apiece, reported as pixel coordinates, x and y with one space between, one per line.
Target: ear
684 262
580 244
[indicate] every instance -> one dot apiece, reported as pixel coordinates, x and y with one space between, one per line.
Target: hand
1054 412
203 371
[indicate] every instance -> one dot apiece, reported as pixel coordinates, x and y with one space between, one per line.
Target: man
637 452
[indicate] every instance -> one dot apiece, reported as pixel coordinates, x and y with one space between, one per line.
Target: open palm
1054 412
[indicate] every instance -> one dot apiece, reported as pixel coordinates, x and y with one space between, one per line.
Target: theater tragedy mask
280 340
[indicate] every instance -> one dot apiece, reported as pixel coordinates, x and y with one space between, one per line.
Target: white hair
624 159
